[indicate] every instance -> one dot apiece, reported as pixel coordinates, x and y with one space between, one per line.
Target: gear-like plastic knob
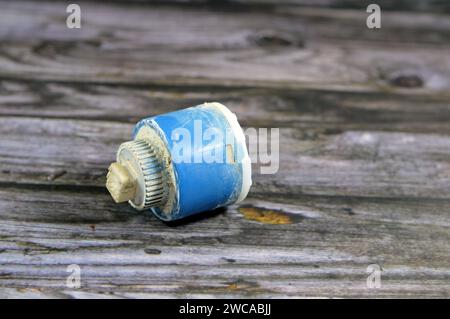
138 175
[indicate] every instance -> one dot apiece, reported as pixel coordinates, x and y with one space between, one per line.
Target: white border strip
240 138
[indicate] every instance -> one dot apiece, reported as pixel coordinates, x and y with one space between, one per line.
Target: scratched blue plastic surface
200 186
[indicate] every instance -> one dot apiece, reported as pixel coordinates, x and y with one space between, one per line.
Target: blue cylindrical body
206 158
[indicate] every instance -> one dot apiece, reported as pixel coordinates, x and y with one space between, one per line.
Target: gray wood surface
364 176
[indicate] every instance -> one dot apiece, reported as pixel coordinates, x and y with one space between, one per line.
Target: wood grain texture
391 5
409 5
313 47
364 171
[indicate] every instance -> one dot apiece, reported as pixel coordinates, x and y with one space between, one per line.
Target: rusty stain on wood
266 216
232 286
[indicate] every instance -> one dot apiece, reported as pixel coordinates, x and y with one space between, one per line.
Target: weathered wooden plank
322 252
359 163
396 5
318 110
146 44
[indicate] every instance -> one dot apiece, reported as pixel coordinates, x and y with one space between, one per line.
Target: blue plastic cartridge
182 163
